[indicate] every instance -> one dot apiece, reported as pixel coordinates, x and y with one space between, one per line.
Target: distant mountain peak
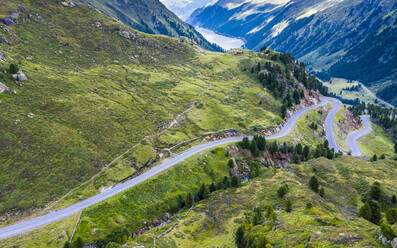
150 16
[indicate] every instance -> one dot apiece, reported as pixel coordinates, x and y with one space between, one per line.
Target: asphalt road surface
355 136
36 222
329 125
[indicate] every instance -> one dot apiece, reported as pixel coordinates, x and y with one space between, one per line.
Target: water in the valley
225 42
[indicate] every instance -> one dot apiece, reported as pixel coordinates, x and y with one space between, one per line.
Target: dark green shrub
288 206
189 200
391 215
13 68
371 211
230 163
313 184
387 231
321 192
235 181
282 191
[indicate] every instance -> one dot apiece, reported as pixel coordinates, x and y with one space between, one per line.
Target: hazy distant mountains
149 16
353 39
184 8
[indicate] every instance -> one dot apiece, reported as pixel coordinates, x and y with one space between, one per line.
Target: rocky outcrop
68 4
393 243
20 76
128 34
3 88
386 242
2 56
7 21
155 223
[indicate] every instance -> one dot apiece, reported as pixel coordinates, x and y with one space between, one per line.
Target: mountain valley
122 126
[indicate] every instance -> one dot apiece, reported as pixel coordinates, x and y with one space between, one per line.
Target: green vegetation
345 124
228 217
313 184
348 90
104 102
282 191
381 142
269 77
215 219
51 236
303 131
195 180
391 215
13 68
154 197
95 94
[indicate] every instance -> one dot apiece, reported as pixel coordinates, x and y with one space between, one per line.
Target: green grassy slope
97 89
87 107
338 86
332 222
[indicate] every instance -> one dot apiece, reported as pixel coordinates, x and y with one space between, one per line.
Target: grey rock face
127 34
394 243
14 15
3 88
68 4
20 76
2 56
7 21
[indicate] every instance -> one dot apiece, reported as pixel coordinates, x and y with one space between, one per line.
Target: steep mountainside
149 16
97 98
349 39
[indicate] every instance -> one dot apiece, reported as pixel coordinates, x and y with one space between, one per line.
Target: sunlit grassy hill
97 89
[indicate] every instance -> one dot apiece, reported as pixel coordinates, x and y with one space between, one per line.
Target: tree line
299 152
380 209
281 82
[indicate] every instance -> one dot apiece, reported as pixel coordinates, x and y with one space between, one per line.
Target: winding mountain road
52 217
329 124
355 136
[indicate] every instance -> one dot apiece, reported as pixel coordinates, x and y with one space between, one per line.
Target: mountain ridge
331 37
150 16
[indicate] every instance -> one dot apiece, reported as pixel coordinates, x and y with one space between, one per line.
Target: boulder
383 240
98 24
127 34
68 4
31 115
394 243
2 56
20 76
4 39
14 15
7 21
3 88
5 29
